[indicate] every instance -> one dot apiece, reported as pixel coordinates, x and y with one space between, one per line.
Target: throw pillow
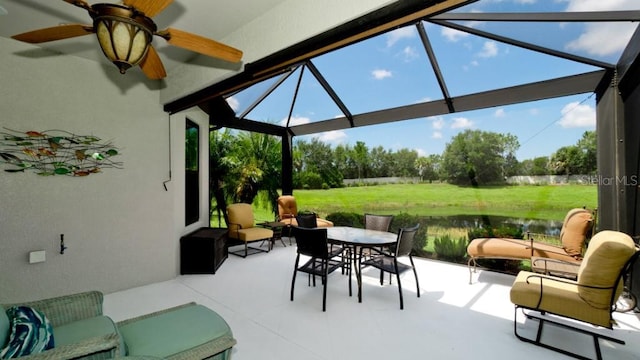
31 332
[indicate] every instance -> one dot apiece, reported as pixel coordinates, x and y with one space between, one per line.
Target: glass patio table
353 239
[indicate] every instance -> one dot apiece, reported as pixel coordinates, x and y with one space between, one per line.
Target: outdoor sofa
80 330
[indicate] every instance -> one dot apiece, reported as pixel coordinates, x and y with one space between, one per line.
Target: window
192 173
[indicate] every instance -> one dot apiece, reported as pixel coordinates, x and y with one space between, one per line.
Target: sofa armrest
68 308
83 348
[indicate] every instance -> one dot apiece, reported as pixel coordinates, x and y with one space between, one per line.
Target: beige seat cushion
606 255
559 297
575 227
515 249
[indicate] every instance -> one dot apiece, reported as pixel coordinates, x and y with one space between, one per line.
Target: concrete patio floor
451 320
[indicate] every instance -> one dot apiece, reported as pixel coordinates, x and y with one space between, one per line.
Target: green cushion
85 329
168 333
4 327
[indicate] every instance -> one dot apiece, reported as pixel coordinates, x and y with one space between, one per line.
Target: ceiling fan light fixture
124 34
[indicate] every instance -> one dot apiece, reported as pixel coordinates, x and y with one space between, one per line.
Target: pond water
548 227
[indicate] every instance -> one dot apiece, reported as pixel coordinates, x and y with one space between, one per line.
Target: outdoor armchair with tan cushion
288 210
575 228
242 229
589 299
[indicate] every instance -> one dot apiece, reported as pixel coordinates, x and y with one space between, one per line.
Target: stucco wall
118 225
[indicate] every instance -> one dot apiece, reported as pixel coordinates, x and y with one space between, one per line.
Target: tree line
245 165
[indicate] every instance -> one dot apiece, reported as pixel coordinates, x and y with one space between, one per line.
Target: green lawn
545 202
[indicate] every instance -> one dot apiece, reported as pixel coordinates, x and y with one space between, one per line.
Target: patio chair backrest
377 222
575 228
311 242
405 240
308 220
287 207
240 214
606 257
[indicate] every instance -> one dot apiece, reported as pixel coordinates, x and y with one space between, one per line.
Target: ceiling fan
125 32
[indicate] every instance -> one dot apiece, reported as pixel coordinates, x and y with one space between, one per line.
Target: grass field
545 202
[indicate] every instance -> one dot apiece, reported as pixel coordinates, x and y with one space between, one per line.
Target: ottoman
189 331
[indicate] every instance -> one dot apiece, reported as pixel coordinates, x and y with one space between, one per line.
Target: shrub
510 232
449 249
346 219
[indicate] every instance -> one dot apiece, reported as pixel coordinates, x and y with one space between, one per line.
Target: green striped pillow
31 332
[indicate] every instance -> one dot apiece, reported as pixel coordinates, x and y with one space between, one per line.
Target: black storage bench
203 251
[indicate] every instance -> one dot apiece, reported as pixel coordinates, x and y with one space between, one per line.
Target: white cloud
438 123
334 136
599 5
453 35
295 120
576 115
437 135
603 39
421 152
489 49
500 113
399 34
409 53
461 123
380 74
233 103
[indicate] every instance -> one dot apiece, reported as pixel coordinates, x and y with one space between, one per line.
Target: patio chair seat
559 298
504 248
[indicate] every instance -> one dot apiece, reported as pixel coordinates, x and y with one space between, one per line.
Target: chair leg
471 270
325 277
542 321
293 279
400 290
415 274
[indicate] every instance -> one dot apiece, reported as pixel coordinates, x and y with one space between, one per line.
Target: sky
392 70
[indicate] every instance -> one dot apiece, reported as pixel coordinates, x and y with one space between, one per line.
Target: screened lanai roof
484 54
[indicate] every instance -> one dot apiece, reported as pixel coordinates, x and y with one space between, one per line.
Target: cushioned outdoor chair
576 228
242 229
589 299
388 261
313 243
288 210
80 330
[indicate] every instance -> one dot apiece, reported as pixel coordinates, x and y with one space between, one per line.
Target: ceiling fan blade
79 3
201 44
149 7
54 33
152 65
